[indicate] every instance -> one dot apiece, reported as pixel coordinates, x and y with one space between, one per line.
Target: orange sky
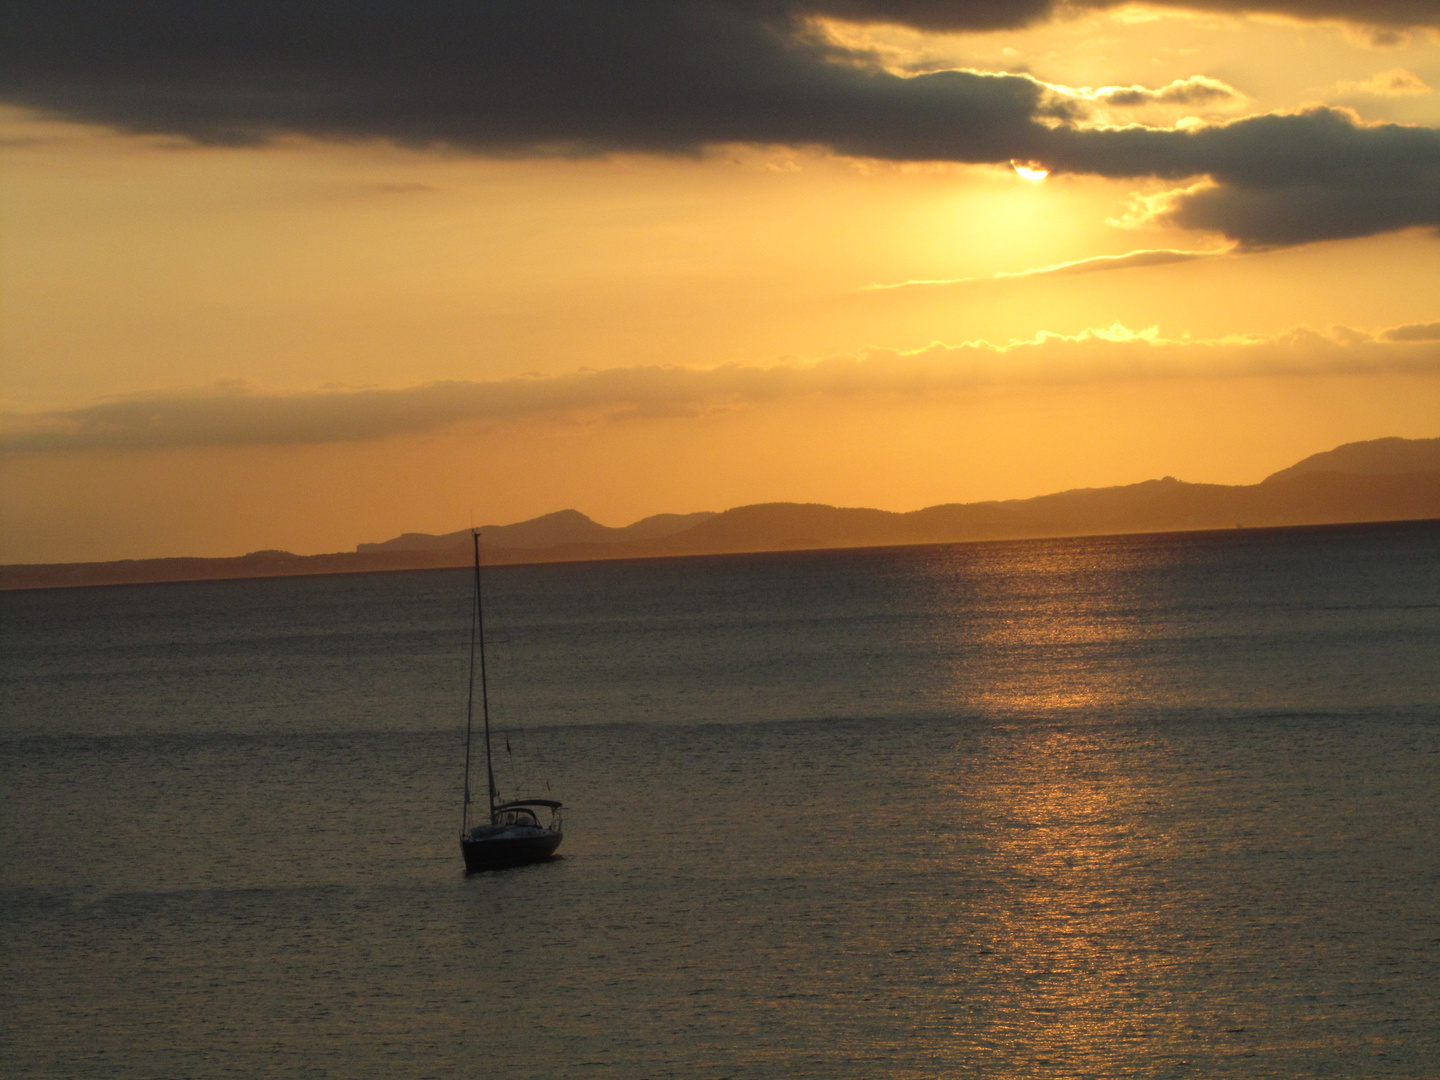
316 339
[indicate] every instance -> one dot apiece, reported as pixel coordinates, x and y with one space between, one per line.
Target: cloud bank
237 416
509 77
1413 332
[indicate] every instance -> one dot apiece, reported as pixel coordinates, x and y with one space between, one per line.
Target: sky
307 274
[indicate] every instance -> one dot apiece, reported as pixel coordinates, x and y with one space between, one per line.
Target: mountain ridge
548 530
1386 486
1373 457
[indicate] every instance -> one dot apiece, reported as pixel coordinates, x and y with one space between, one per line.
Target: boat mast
484 694
470 707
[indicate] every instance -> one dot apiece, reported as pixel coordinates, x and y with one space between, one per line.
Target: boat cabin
519 816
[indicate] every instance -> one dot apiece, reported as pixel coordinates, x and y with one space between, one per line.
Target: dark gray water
1136 807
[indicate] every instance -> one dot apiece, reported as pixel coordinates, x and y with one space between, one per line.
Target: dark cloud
1277 179
518 76
920 14
1297 213
676 76
235 416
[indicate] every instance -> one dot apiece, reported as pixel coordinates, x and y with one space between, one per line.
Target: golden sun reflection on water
1073 958
1063 638
1059 673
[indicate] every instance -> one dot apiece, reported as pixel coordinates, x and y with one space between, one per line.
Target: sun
1030 170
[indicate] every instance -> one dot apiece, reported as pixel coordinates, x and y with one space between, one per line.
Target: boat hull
498 853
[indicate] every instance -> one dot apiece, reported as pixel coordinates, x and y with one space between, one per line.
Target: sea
1140 806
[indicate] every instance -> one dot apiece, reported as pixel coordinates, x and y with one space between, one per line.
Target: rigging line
542 761
526 763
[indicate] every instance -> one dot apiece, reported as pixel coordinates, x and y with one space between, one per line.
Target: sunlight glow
1030 170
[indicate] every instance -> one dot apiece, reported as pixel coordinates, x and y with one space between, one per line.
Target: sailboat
513 834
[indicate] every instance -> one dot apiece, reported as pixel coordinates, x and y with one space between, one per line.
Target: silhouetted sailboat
513 834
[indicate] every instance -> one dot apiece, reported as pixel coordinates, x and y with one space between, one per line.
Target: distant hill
561 527
1167 505
1380 480
1378 457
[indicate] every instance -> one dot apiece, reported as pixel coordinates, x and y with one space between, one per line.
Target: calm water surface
1134 807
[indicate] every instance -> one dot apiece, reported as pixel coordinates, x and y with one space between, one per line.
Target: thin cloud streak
1092 265
1196 90
1397 82
236 416
997 14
